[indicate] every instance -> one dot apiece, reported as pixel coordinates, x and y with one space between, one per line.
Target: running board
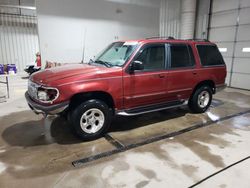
151 108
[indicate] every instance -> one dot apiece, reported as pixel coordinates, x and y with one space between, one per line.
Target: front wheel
200 100
91 119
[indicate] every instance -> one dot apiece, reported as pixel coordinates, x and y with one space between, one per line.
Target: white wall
18 40
188 15
202 16
65 27
177 18
18 34
170 18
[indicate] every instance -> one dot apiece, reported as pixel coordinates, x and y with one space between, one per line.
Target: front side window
181 56
153 57
210 55
116 54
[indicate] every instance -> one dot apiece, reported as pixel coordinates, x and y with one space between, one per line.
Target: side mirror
136 65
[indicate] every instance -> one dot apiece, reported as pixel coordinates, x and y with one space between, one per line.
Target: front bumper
40 109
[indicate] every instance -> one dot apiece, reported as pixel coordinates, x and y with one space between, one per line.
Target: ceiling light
247 49
223 49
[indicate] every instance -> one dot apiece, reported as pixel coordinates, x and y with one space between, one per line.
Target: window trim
147 45
207 66
170 55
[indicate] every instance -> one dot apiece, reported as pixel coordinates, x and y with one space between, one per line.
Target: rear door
182 75
147 86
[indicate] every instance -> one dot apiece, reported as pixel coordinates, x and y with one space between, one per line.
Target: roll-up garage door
230 29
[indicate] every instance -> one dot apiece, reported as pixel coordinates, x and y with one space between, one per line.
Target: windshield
116 54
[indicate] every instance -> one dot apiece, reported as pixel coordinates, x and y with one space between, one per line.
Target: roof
168 39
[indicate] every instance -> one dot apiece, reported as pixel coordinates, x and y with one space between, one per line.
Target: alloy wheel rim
92 120
203 99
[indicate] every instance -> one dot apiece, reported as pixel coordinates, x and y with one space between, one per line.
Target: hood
71 70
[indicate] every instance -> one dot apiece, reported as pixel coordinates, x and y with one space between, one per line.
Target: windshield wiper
91 61
107 64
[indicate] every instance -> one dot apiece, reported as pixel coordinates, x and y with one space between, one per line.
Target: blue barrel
11 68
1 69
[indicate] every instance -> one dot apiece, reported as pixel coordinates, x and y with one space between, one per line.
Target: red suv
129 78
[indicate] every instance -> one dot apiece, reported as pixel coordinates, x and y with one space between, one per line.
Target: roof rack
162 37
172 38
202 40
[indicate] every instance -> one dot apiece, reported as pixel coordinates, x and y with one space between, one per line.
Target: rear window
210 55
181 56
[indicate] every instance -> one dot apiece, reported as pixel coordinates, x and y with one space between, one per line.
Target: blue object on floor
11 68
1 69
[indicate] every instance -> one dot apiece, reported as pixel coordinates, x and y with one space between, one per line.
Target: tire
91 119
201 99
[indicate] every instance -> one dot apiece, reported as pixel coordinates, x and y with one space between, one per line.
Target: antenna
84 42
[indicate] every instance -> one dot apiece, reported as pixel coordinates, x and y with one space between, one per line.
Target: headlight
47 95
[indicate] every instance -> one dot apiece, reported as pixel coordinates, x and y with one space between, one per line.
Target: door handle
194 73
161 75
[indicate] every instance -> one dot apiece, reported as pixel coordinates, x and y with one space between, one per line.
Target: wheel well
206 82
81 97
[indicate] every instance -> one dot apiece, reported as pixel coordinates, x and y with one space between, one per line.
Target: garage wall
177 18
18 33
170 18
202 19
230 28
67 27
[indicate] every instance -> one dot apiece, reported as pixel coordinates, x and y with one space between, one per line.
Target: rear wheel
201 99
91 119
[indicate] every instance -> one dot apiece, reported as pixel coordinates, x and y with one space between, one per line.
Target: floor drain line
210 176
121 148
113 141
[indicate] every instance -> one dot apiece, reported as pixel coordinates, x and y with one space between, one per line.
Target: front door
147 86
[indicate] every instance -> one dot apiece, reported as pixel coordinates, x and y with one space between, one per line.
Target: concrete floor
37 152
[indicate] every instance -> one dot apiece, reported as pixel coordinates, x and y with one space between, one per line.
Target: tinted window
210 55
181 56
191 54
153 57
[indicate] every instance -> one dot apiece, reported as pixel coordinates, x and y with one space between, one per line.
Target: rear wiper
107 64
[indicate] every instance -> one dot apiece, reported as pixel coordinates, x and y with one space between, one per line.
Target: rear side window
210 55
181 56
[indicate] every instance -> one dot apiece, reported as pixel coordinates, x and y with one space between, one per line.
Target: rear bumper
220 87
40 109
